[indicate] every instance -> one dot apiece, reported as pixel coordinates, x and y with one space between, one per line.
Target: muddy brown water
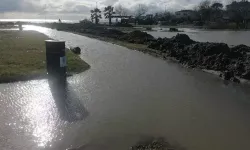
125 96
230 37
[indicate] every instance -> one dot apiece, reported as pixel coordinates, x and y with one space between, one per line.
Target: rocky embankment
232 62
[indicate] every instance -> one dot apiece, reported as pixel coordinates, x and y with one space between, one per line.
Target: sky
80 9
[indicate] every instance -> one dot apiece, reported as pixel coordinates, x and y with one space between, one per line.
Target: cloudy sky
79 9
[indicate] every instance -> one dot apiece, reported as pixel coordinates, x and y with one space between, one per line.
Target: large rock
246 75
173 30
76 50
182 38
228 75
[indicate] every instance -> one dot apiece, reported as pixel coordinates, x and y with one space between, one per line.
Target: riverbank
23 57
233 63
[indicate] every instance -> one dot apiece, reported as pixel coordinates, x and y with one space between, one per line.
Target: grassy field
22 56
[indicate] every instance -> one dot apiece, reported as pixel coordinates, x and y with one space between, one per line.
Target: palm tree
96 15
92 18
108 12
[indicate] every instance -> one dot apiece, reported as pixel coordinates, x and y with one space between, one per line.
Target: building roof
185 11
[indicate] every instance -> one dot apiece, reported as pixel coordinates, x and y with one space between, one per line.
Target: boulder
76 50
173 30
148 28
236 80
246 75
228 75
182 38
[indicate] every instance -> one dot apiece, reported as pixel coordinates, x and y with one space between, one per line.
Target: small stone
236 80
228 75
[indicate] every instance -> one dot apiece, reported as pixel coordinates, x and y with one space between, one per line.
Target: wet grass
22 56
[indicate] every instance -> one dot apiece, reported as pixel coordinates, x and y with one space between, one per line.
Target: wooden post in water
56 59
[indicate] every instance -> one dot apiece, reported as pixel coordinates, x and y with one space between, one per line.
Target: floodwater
125 96
225 36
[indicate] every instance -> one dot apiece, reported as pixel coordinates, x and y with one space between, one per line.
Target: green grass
75 63
22 56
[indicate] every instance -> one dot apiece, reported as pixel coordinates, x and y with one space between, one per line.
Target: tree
216 10
205 10
217 6
92 17
108 12
96 15
239 12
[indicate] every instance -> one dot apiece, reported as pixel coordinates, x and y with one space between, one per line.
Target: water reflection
36 28
68 104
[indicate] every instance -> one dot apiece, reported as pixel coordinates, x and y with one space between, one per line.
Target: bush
148 28
86 23
122 25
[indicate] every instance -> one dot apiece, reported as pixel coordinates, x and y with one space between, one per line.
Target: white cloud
82 7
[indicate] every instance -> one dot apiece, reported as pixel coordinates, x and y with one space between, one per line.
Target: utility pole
45 13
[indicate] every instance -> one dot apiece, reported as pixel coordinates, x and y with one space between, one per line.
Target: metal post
56 59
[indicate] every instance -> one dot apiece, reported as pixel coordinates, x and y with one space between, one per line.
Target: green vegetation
22 56
75 63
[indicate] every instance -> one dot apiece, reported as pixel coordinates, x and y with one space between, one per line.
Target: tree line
206 11
236 11
109 11
119 10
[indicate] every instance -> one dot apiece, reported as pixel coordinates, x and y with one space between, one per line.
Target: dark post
56 59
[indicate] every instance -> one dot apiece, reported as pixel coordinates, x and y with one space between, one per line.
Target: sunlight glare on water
41 113
36 28
36 110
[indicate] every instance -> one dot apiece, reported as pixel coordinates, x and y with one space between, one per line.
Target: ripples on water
40 108
124 96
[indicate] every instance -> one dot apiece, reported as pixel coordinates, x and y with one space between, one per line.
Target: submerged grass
22 56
